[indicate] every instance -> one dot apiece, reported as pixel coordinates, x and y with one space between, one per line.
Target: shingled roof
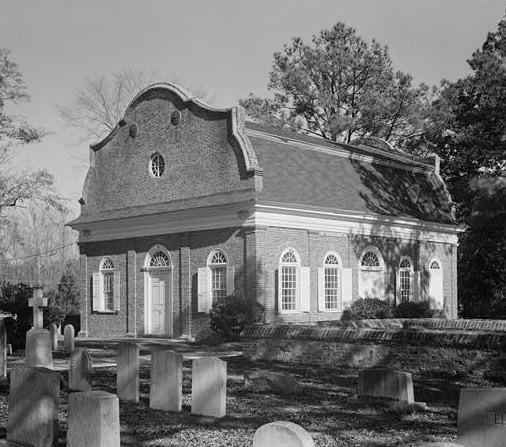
310 172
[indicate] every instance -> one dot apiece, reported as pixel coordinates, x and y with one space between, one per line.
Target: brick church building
184 202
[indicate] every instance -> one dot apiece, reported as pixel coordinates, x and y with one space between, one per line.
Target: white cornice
341 151
353 224
248 215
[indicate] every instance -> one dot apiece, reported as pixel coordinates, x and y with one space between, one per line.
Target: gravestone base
38 348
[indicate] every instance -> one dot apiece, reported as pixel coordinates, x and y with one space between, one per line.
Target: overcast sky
224 45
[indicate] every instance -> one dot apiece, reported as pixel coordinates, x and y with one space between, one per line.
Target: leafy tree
470 136
100 102
14 301
342 88
64 301
14 131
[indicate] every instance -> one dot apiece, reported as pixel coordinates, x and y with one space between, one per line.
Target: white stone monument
3 349
93 419
53 330
166 388
69 338
128 372
209 387
38 340
33 407
482 417
281 433
80 369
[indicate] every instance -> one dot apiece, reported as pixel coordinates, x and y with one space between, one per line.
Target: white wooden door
158 303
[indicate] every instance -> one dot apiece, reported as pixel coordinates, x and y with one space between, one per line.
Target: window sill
330 311
105 312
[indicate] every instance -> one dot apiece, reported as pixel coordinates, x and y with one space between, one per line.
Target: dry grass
325 408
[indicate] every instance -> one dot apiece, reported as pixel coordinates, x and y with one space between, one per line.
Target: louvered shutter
96 295
415 287
117 295
305 289
280 301
397 287
321 289
204 290
230 279
346 288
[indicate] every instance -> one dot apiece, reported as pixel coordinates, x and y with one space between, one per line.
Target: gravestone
80 369
3 349
281 433
482 417
69 338
127 377
33 407
38 340
209 387
260 381
386 384
9 349
93 419
166 389
53 330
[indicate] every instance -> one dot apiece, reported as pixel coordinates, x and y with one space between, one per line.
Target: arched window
106 287
289 277
436 296
405 279
371 274
217 263
159 260
332 275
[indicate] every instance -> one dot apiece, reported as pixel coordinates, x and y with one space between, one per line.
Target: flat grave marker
33 406
127 378
209 387
166 388
482 417
386 383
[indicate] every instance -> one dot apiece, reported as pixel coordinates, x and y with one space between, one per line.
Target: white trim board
237 215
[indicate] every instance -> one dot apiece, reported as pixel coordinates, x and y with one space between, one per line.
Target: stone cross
37 302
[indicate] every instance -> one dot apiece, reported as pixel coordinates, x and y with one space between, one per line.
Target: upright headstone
166 389
128 372
482 417
386 383
93 419
3 349
33 407
53 330
209 387
80 370
281 433
69 338
38 340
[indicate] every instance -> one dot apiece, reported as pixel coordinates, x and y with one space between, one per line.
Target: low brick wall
400 344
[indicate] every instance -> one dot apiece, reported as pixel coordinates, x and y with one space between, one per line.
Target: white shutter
415 287
321 289
204 290
117 285
96 292
230 279
436 289
280 304
346 288
305 289
397 287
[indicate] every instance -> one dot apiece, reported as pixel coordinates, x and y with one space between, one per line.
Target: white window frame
367 269
109 275
323 274
205 288
405 276
299 280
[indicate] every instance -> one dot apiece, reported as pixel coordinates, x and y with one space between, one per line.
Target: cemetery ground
324 405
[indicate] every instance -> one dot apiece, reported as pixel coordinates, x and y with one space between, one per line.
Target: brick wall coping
426 337
427 323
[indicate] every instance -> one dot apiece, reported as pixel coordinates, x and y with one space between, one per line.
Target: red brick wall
197 152
447 349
